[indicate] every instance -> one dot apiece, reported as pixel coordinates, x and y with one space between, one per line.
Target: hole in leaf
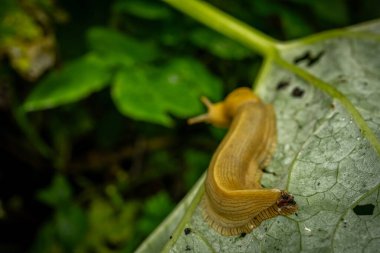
187 231
315 59
269 172
297 92
307 56
364 209
282 85
302 57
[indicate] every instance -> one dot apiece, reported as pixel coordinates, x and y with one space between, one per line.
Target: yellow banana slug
234 200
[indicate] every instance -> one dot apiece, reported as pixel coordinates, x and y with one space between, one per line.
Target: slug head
216 114
220 114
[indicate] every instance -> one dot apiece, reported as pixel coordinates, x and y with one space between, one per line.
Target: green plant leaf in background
288 19
327 154
69 223
150 94
73 82
27 43
115 48
153 10
152 218
323 10
57 194
140 90
109 224
219 45
71 226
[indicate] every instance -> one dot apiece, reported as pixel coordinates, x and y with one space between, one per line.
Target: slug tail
222 225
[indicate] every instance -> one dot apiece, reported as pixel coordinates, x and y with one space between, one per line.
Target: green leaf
150 217
44 241
219 45
16 25
150 94
322 9
115 48
59 193
134 96
71 226
75 81
144 9
116 226
294 25
327 156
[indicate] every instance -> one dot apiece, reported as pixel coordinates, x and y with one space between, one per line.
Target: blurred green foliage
93 101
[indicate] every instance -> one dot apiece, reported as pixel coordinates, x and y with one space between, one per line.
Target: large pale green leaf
74 81
327 155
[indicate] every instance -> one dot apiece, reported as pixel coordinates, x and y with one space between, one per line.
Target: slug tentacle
235 202
216 114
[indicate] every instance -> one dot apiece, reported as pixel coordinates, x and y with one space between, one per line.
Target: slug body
234 201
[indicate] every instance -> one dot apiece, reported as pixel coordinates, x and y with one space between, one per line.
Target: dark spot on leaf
187 231
318 183
307 56
187 248
315 59
170 237
364 209
282 85
297 92
242 235
269 172
302 57
296 214
332 106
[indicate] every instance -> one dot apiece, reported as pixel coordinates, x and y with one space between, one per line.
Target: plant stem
227 25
